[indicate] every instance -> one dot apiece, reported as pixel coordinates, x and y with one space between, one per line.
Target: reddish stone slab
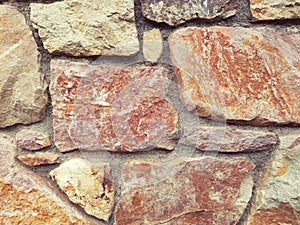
241 75
111 108
210 189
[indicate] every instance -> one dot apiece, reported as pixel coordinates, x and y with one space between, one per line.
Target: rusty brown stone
32 140
240 75
39 158
206 187
111 108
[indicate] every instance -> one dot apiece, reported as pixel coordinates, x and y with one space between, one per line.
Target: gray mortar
242 18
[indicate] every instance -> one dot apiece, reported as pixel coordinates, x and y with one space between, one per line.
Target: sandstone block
152 45
32 140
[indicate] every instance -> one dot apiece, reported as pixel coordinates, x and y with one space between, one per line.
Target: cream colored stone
82 27
152 45
88 185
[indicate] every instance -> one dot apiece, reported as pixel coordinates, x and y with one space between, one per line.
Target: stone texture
22 94
111 108
152 45
226 139
32 140
177 12
83 27
39 158
278 197
275 9
240 75
26 198
88 185
183 191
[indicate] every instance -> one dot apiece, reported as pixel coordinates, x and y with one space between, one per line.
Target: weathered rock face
226 139
83 27
177 12
203 189
22 95
88 185
32 140
111 108
26 198
39 158
241 75
152 45
278 197
272 10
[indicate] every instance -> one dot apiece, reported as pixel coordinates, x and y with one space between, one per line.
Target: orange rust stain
283 169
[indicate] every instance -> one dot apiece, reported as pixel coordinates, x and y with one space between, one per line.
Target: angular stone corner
111 108
23 97
27 198
203 189
85 28
278 197
152 45
239 75
274 10
88 185
32 140
226 139
180 11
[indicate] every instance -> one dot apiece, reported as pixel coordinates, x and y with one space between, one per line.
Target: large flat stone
22 91
278 197
111 108
85 28
187 190
275 9
240 75
179 11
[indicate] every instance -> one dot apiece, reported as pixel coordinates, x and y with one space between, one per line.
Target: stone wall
150 112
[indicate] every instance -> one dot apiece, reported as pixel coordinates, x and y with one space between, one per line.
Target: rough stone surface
206 189
226 139
22 95
88 185
278 197
152 45
177 12
275 9
240 75
111 108
84 27
39 158
32 140
26 198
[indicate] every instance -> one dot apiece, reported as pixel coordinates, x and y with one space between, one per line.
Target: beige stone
85 28
39 158
88 185
22 89
32 140
152 45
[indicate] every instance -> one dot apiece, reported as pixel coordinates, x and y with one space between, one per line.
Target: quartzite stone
32 140
275 9
207 189
22 95
83 27
179 11
278 197
241 75
39 158
111 108
88 185
26 198
226 139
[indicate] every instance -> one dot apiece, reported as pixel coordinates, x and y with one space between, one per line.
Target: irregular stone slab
226 139
27 198
177 12
88 185
85 28
273 10
32 140
240 75
39 158
207 188
278 197
152 45
111 108
23 98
